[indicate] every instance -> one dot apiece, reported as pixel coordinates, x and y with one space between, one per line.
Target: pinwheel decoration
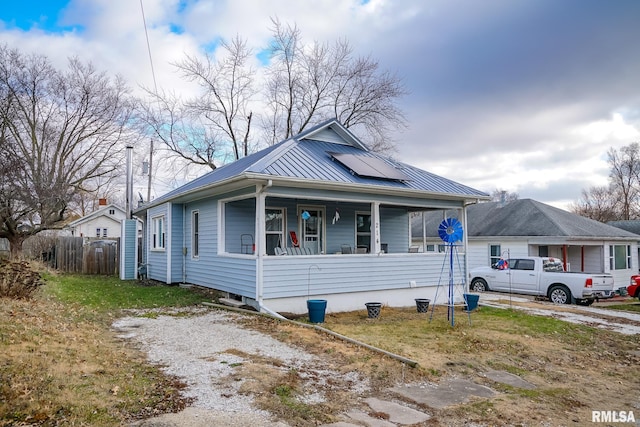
450 230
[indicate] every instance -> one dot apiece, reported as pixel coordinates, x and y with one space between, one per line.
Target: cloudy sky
521 95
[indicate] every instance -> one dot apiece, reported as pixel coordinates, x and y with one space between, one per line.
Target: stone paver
447 393
399 414
368 419
509 379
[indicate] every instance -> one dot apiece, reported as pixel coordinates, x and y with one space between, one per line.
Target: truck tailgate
602 282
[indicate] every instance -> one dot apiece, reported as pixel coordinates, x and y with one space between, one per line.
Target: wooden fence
94 257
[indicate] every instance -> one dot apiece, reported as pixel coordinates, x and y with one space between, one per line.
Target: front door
312 227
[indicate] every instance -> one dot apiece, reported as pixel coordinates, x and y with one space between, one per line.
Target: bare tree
60 131
598 203
309 84
503 196
624 177
200 129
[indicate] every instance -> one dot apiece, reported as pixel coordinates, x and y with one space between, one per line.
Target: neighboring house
338 213
632 226
104 223
527 227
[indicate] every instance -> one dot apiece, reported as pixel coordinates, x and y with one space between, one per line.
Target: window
494 254
157 233
104 232
619 257
363 230
274 228
312 227
97 232
112 211
195 230
523 264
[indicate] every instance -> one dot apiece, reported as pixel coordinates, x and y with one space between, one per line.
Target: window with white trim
195 234
104 232
275 228
158 233
97 232
363 230
619 257
494 254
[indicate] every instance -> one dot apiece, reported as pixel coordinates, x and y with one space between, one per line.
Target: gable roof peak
332 131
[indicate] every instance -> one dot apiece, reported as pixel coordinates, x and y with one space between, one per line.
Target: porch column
260 241
375 227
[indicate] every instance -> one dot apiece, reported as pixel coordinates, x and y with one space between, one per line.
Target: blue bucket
317 308
471 301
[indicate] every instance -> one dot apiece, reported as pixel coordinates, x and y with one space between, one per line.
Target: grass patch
107 294
60 364
633 307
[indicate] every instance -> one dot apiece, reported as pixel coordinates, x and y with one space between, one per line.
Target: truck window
525 264
552 265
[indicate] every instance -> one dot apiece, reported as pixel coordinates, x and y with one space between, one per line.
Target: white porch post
465 242
375 227
260 241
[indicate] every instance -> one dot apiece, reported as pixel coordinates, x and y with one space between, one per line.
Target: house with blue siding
317 216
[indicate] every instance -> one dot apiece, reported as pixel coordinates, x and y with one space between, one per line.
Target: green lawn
632 306
105 296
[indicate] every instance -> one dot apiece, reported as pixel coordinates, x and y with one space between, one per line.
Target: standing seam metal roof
309 159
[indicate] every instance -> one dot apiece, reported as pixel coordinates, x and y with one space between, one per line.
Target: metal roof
304 159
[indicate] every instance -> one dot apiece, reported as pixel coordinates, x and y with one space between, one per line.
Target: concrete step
231 302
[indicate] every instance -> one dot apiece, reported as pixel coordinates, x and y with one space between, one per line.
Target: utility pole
129 192
150 171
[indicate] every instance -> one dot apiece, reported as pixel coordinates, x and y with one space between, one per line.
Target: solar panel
371 167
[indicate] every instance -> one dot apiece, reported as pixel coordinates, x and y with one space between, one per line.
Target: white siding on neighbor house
622 277
88 229
479 251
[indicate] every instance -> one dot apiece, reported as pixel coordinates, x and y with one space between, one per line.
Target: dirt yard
572 370
62 365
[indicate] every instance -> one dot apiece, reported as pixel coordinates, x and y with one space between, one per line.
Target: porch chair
413 249
346 249
246 243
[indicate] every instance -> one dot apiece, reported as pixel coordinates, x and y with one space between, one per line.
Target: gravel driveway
202 349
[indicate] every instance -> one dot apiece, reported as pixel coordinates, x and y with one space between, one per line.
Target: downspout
184 243
261 248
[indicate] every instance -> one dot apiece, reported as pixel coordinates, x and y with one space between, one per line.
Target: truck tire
559 294
478 285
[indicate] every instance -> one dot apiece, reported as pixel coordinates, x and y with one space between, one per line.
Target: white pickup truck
542 277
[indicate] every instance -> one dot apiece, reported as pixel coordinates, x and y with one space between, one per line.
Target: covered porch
341 248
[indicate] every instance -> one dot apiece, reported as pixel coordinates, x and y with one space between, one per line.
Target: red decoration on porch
294 239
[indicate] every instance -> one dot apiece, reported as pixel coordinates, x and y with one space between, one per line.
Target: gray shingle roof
306 158
526 217
632 225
